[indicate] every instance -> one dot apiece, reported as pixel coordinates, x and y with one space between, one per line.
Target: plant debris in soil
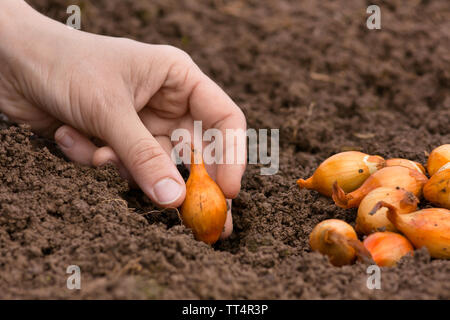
309 68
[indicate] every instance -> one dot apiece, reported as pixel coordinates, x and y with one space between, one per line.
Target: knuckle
181 68
241 117
184 56
176 50
177 54
146 153
238 118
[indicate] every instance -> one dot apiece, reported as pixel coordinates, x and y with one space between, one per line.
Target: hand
128 94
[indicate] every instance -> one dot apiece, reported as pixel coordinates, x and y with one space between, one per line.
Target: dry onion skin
350 169
387 248
204 209
406 163
394 177
428 228
437 189
337 240
438 157
368 221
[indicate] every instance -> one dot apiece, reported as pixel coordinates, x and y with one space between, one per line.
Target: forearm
26 35
16 19
30 46
24 48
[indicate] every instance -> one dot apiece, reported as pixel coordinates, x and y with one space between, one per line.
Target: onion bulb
368 222
438 157
337 239
437 189
405 163
350 169
387 248
204 209
394 177
428 228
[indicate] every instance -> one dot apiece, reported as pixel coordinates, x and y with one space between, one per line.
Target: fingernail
167 191
65 140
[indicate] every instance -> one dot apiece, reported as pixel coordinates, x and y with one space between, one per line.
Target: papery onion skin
338 240
368 222
406 163
437 158
394 177
428 228
437 189
387 248
204 209
350 169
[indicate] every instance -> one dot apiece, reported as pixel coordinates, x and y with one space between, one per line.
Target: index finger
210 104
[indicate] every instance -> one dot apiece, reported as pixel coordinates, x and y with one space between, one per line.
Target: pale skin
74 85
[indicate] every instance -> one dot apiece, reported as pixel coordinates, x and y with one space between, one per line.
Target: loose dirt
309 68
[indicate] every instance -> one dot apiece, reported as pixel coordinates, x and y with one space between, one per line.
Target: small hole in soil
47 251
168 217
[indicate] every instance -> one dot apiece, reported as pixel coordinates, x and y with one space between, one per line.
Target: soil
309 68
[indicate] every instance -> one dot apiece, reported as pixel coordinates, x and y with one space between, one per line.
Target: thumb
148 163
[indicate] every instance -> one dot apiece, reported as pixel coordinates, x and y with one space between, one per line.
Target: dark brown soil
310 68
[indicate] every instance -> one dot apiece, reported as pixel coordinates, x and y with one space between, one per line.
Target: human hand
128 94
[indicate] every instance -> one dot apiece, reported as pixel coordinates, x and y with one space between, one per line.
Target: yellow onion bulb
406 163
395 177
387 248
438 157
204 209
437 189
429 228
337 240
368 222
350 169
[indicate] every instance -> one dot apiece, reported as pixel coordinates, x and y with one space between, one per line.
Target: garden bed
309 68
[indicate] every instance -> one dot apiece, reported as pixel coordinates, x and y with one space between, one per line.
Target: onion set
406 163
369 221
204 209
349 169
428 228
387 248
338 240
437 189
395 177
438 157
